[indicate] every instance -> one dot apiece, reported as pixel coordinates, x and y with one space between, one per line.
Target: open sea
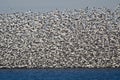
60 74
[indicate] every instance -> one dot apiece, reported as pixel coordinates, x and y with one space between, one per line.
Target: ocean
60 74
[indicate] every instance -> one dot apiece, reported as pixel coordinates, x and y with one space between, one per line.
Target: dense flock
78 38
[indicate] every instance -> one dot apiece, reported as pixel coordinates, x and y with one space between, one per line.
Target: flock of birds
88 38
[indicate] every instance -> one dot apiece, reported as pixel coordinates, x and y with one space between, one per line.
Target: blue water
60 74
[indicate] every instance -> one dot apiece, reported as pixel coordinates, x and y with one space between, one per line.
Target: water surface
60 74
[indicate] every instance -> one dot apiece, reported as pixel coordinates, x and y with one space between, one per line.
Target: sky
48 5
